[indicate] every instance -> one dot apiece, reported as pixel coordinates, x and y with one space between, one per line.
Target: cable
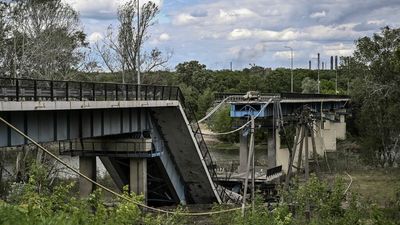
236 130
214 110
351 182
108 189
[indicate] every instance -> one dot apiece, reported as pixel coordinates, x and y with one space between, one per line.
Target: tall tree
4 39
376 92
45 39
119 50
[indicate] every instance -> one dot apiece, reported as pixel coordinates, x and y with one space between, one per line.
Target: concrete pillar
271 152
342 118
244 151
138 176
277 139
282 154
87 166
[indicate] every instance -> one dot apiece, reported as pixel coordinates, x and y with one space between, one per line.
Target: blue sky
251 31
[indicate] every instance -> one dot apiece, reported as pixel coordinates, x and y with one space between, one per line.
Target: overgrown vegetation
371 76
314 202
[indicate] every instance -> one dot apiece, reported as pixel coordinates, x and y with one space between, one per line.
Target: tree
119 50
309 85
46 39
187 70
376 95
4 39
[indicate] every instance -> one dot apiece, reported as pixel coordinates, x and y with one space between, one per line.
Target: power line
108 189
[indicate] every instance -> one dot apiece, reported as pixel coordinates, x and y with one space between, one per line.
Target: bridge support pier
138 176
87 166
272 149
244 151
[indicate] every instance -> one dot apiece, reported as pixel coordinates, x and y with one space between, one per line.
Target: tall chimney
336 62
331 62
309 64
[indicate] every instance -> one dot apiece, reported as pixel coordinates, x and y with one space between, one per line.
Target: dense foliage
36 203
376 95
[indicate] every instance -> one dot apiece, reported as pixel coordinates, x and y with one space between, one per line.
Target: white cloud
313 33
164 37
251 26
102 9
282 54
184 19
233 15
94 37
237 34
318 15
338 49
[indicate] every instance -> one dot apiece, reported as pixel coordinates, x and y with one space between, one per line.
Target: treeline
44 39
199 84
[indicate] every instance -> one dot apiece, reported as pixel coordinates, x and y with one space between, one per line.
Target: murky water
229 158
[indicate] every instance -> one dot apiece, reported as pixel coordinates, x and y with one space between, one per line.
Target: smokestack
309 64
319 88
318 58
336 62
331 62
323 65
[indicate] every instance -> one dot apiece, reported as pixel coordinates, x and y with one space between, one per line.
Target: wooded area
43 39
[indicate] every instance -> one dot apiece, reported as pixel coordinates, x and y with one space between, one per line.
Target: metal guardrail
283 95
12 89
48 90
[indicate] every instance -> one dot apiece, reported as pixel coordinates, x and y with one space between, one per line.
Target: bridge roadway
64 111
87 113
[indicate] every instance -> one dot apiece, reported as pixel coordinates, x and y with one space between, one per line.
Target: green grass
377 185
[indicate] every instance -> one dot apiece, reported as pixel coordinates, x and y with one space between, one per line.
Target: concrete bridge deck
62 110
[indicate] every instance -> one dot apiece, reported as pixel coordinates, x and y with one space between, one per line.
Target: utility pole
336 73
348 75
291 67
253 169
138 42
318 74
249 160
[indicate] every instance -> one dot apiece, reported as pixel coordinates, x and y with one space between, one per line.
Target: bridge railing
50 90
12 89
283 95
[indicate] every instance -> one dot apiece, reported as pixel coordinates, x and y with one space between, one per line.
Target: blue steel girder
243 109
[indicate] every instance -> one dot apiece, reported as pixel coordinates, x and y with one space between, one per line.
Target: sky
244 32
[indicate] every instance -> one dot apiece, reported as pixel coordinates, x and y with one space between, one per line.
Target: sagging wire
246 124
108 189
214 110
